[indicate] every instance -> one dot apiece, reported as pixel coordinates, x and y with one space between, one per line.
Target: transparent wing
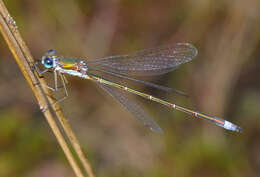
147 62
160 87
136 110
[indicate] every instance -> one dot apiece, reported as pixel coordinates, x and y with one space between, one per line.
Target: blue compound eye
47 62
52 52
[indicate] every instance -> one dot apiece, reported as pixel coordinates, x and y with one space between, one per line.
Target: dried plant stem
74 141
23 58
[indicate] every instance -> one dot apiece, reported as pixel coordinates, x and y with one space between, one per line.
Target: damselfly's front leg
63 79
37 69
34 66
56 88
41 72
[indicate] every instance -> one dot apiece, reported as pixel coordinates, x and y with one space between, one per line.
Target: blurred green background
223 80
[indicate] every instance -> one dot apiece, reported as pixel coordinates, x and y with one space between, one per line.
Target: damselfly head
47 61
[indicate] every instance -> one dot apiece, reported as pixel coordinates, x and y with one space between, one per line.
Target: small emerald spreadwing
149 62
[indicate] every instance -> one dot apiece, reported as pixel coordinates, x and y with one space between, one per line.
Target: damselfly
149 62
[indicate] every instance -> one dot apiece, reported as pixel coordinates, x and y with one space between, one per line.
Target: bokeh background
223 80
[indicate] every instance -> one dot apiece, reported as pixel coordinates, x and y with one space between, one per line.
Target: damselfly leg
56 88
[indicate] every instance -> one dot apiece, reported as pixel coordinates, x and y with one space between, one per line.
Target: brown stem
24 59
